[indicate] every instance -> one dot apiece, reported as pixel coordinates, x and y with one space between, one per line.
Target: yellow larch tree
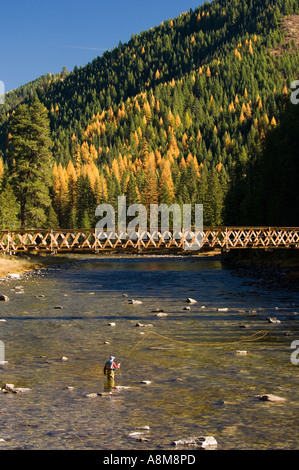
60 191
183 165
166 180
1 168
72 180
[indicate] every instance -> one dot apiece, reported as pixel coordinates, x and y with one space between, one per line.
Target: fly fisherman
110 367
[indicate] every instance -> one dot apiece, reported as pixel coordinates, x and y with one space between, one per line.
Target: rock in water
13 276
9 387
270 397
273 320
4 297
191 301
91 395
202 442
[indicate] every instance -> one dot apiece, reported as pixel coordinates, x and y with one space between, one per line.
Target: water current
60 326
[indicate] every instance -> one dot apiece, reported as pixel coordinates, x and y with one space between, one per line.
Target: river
61 325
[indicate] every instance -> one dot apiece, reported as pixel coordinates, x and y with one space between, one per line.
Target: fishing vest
109 365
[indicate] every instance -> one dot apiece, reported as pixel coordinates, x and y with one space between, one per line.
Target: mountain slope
186 105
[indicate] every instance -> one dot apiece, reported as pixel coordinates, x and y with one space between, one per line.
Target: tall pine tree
32 160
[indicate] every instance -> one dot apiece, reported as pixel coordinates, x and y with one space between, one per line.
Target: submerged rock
121 387
191 301
270 397
139 436
4 298
104 394
13 276
273 320
91 395
202 442
10 388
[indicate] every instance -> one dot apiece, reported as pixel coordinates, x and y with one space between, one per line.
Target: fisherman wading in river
110 367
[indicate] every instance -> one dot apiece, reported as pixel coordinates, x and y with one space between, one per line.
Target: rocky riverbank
274 269
15 266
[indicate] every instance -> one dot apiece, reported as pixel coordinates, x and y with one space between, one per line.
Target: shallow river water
196 384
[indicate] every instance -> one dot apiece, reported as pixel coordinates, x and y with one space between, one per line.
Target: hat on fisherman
112 358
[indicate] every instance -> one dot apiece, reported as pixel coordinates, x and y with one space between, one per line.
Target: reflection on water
59 333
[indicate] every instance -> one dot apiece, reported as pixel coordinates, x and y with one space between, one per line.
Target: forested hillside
189 111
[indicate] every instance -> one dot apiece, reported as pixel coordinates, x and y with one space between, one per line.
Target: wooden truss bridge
89 240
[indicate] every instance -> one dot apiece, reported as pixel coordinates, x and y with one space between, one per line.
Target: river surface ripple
196 385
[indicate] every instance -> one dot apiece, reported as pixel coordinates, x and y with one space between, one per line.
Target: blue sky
39 37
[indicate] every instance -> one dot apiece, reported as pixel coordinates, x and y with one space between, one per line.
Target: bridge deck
226 238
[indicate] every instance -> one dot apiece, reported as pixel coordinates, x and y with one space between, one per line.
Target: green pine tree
30 152
52 219
9 209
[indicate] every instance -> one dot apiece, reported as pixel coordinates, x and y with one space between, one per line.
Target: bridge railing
226 238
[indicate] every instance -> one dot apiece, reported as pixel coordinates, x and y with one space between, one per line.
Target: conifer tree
150 194
30 149
9 208
52 219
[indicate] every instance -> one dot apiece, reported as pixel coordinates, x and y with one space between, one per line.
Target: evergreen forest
195 110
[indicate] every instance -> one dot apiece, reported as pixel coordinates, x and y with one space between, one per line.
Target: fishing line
251 338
